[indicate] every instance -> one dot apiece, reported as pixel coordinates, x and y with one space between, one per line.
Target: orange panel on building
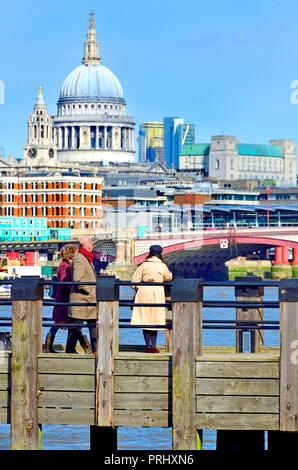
193 199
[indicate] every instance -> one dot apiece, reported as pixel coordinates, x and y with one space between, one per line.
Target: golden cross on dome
91 14
40 90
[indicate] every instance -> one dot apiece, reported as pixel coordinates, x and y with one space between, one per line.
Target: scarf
86 253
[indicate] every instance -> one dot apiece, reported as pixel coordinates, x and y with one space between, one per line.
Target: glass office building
176 135
150 141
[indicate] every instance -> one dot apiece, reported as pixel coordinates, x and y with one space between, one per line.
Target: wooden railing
193 388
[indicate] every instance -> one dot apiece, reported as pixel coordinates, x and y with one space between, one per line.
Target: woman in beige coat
152 270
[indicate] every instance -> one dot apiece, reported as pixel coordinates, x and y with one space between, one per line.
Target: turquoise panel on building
23 229
195 149
259 150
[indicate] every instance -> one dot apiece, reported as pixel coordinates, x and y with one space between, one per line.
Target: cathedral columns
66 137
72 136
129 138
96 137
89 137
124 138
59 137
105 146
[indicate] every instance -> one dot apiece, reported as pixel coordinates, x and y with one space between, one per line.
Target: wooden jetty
188 389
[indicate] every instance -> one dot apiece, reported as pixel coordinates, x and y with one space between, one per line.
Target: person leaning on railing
60 312
152 270
82 271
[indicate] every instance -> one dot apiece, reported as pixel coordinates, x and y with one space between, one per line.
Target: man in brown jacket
82 271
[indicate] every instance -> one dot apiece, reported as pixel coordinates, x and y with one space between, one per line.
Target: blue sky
225 66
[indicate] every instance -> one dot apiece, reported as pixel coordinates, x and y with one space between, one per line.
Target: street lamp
189 224
268 217
106 209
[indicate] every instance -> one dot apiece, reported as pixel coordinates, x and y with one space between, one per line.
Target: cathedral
91 123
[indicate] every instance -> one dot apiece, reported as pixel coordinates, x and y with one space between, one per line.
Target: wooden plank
127 349
58 364
237 369
67 399
5 415
65 416
142 418
5 396
142 401
270 349
131 384
142 355
5 362
80 383
218 350
5 381
87 400
250 387
186 345
257 357
141 367
289 366
236 404
26 344
105 325
249 421
232 349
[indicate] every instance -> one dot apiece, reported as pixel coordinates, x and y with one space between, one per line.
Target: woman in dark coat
60 312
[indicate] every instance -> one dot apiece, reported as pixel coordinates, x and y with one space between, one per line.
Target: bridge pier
295 263
120 252
281 267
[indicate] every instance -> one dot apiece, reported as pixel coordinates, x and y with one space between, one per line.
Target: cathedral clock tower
40 147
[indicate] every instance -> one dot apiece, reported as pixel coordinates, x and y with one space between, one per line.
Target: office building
141 145
153 133
176 135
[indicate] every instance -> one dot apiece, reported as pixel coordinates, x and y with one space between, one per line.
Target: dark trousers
74 334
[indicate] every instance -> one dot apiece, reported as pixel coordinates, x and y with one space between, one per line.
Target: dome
91 82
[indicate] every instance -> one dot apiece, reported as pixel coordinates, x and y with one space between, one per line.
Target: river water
77 437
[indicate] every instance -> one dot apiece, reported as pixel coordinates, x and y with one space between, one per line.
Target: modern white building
91 123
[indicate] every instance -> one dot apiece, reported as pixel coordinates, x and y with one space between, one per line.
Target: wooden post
245 440
169 316
107 296
187 297
26 295
244 293
288 297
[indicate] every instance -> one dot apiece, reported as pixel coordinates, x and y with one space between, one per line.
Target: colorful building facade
63 199
25 229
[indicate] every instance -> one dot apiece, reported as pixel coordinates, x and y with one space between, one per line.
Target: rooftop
243 149
259 150
196 149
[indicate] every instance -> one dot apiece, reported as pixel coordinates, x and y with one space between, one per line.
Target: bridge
201 250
